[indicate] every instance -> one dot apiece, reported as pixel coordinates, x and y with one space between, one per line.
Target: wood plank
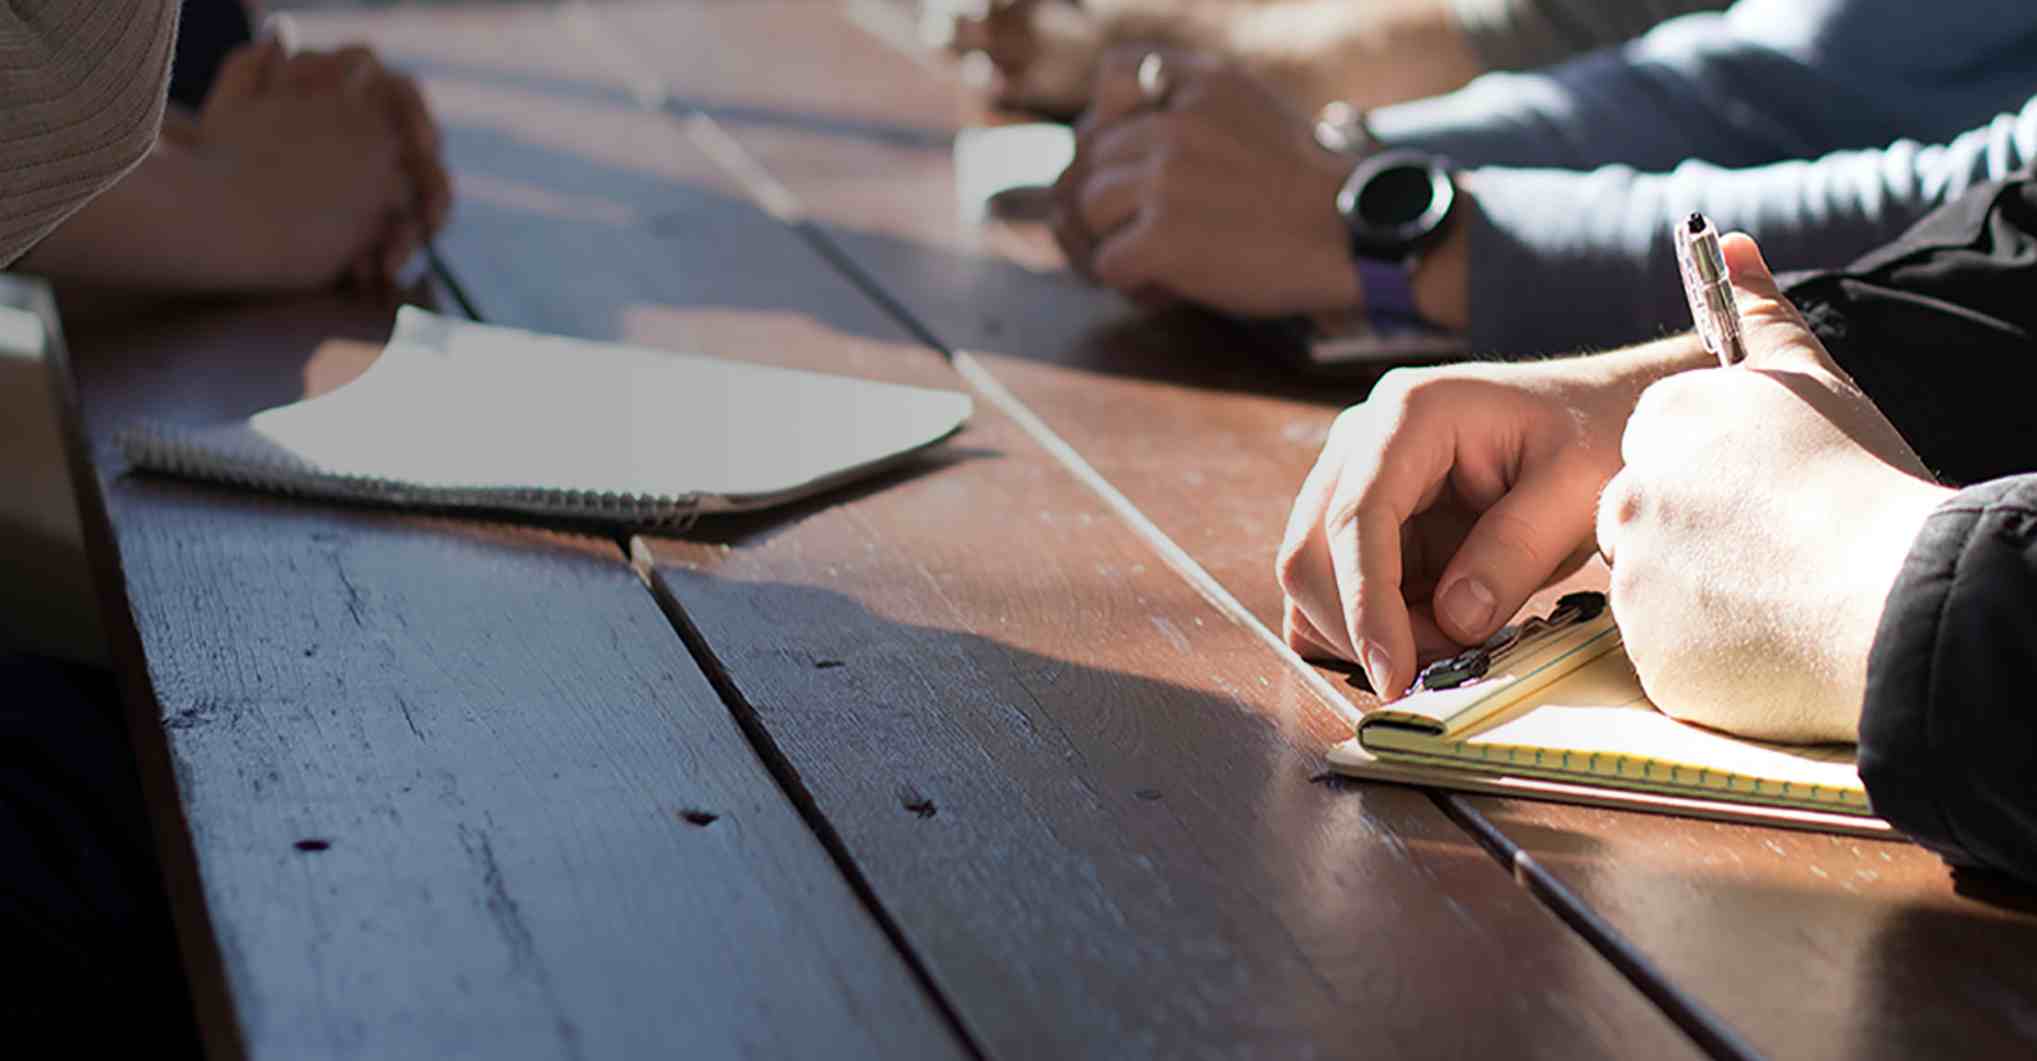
1080 791
438 787
1136 395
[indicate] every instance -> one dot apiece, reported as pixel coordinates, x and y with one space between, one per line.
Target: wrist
1899 508
1338 287
1441 278
1399 211
1629 371
1602 390
247 248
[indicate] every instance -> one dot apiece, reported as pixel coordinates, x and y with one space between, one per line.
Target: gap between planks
783 773
1711 1033
582 22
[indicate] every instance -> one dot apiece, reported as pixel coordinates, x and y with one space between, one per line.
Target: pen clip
1476 662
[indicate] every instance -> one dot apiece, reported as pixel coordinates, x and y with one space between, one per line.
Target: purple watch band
1387 290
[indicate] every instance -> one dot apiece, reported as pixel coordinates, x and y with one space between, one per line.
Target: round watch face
1396 196
1394 201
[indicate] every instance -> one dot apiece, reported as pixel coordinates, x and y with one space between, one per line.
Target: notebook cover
1352 760
464 415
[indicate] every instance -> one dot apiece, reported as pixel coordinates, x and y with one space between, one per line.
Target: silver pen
1709 289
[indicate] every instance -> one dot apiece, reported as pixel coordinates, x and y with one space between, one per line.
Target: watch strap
1387 288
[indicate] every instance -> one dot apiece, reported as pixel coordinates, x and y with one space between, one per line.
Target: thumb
1769 324
248 72
1511 552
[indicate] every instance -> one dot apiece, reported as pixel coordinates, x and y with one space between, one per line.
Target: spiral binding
178 452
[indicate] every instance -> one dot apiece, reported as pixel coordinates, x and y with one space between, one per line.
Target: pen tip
1695 222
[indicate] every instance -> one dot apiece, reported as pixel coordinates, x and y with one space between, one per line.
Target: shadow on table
736 529
1173 816
215 359
1908 955
987 304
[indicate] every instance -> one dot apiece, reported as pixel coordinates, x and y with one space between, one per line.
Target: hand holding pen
1759 519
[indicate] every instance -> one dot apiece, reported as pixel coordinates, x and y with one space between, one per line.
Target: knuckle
1288 567
1617 508
1401 386
1352 419
1623 502
1667 397
1346 516
1516 538
1401 399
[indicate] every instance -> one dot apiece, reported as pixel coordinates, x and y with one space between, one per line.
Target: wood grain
446 788
1081 793
1209 440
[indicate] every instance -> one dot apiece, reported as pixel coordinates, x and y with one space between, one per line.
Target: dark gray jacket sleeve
1938 329
1524 34
1948 734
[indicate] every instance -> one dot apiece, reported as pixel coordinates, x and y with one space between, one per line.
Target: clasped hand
1217 193
334 162
1754 518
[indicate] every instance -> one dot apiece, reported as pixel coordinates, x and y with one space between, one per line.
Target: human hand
1441 504
1044 52
334 162
1219 194
1761 519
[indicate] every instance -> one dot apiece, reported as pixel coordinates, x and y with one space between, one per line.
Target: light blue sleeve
1766 80
1563 260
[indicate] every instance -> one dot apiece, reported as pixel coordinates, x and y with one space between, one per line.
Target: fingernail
1469 605
1378 668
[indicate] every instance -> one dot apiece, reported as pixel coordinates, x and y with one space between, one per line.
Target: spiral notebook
462 415
1562 715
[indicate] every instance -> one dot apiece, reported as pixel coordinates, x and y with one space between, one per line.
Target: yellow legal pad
1566 706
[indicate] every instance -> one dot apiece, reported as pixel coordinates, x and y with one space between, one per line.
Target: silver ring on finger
1153 81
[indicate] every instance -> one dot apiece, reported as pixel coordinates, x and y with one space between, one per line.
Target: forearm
1314 51
1365 54
1526 34
1948 737
1559 260
170 226
1767 81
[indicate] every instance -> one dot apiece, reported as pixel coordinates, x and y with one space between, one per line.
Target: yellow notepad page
1596 726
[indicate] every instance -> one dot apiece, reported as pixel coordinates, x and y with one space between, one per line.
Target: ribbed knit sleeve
82 85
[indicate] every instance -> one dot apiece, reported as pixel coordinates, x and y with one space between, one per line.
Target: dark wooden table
994 757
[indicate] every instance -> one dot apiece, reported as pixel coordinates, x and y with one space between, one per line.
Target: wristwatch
1394 204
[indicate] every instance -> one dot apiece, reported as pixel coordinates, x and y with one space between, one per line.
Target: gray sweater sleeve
1524 34
82 85
1764 81
1545 242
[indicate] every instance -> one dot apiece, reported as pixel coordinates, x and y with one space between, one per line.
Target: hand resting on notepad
1754 518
